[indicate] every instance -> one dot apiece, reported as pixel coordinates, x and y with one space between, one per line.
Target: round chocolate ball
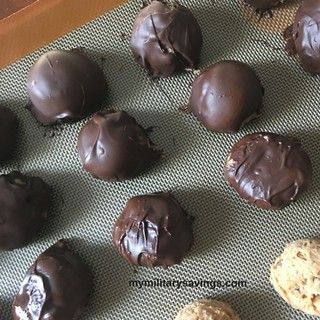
64 86
153 230
112 146
8 133
268 169
207 309
166 38
295 275
226 95
262 6
57 286
303 36
24 203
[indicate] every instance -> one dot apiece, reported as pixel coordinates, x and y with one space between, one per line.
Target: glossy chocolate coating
166 38
262 6
8 133
56 287
112 146
64 86
153 230
268 170
226 95
24 203
303 37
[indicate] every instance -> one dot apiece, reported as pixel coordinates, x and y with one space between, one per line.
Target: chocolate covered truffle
166 38
56 287
64 86
112 146
268 169
263 6
226 95
153 230
8 133
24 203
303 36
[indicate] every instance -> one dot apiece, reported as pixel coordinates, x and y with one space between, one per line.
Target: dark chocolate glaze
262 6
226 95
303 37
56 287
64 86
166 38
8 133
153 230
268 170
24 203
112 146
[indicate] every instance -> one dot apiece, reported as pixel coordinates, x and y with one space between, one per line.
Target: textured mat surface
233 240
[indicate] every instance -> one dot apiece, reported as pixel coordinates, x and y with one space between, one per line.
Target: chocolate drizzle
153 230
57 286
268 170
166 39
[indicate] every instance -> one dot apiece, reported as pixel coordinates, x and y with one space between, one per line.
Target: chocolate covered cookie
153 230
303 37
268 169
64 86
56 287
166 38
24 204
113 146
226 95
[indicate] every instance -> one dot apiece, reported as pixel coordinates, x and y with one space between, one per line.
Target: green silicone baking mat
234 241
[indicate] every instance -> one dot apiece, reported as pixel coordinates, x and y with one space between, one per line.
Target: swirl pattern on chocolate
166 38
268 170
153 230
24 203
303 37
112 146
64 86
56 287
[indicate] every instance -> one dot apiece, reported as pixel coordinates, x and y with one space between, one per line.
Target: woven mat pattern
233 240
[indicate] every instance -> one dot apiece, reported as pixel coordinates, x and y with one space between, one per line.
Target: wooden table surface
26 25
8 7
